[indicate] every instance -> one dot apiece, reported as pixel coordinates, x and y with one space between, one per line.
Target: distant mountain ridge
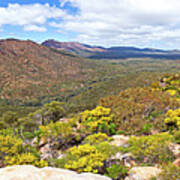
119 52
74 47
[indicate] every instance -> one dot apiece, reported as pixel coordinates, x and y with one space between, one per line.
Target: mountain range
119 52
30 70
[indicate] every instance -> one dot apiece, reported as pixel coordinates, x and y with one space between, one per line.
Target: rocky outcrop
27 172
143 173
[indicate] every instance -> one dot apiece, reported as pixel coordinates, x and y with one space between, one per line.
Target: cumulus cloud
101 22
124 22
34 28
29 16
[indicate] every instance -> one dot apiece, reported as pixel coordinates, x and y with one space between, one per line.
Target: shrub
177 136
52 111
134 108
171 84
24 159
117 171
152 149
95 139
170 172
96 120
61 133
9 118
173 118
86 158
13 151
53 130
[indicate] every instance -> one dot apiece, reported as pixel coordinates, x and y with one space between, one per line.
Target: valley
60 109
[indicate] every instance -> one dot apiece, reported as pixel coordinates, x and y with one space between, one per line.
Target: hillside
30 70
33 74
119 52
74 47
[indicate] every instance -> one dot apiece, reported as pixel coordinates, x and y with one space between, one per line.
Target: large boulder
28 172
143 173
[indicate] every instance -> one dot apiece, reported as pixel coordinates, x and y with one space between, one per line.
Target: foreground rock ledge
27 172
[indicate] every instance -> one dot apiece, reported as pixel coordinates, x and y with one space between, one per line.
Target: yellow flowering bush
10 145
173 118
152 149
170 84
86 158
25 158
172 92
98 119
96 138
13 152
56 129
90 157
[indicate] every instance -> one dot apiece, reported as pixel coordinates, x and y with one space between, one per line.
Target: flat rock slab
28 172
143 173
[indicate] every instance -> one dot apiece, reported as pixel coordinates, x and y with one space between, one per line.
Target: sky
140 23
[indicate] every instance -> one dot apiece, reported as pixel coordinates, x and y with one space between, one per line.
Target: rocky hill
29 69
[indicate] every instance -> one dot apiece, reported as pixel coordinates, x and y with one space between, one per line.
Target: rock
120 140
48 151
177 162
60 155
143 173
175 148
29 172
127 159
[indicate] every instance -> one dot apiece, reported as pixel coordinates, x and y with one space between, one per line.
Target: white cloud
29 16
34 28
101 22
124 22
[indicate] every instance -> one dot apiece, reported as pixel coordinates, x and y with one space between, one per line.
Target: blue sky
17 31
141 23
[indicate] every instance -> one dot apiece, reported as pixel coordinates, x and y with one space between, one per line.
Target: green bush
139 110
152 149
117 171
170 172
177 136
52 111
